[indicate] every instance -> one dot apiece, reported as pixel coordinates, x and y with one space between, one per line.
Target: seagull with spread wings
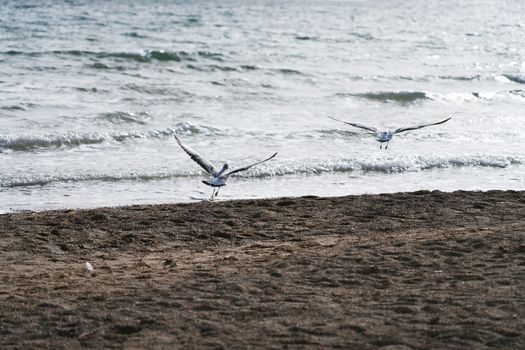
386 136
218 177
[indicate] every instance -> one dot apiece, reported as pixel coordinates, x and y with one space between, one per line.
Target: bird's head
384 136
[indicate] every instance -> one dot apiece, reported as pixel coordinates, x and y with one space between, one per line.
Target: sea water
92 94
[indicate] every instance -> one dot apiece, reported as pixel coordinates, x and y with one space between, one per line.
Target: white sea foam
358 165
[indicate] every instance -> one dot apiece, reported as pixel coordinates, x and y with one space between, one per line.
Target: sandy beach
415 270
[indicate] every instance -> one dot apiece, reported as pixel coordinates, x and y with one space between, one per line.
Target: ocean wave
249 67
429 78
362 165
92 90
517 78
401 97
73 139
457 96
156 89
102 66
134 35
475 96
409 97
460 77
305 37
519 93
120 117
42 180
287 71
143 56
364 36
242 68
390 165
17 107
211 68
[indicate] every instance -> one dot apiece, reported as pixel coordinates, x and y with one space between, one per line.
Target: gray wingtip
271 157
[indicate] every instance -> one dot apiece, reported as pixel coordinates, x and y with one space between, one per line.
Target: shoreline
221 201
405 270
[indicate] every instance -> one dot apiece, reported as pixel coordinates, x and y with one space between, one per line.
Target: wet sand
397 271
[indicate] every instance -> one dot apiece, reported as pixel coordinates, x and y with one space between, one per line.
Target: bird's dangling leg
386 147
217 193
212 195
381 145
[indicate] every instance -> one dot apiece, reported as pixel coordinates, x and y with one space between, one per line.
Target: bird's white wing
197 158
420 126
369 128
249 166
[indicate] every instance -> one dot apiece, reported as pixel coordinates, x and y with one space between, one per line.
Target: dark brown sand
423 270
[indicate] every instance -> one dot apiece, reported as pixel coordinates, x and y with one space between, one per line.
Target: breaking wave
42 180
391 165
364 165
406 97
517 78
73 139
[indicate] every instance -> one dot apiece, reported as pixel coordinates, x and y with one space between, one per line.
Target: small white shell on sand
88 267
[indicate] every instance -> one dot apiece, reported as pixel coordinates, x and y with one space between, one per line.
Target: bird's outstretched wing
197 158
369 128
249 166
420 126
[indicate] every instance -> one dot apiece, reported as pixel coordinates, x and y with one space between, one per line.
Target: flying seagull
218 177
386 136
